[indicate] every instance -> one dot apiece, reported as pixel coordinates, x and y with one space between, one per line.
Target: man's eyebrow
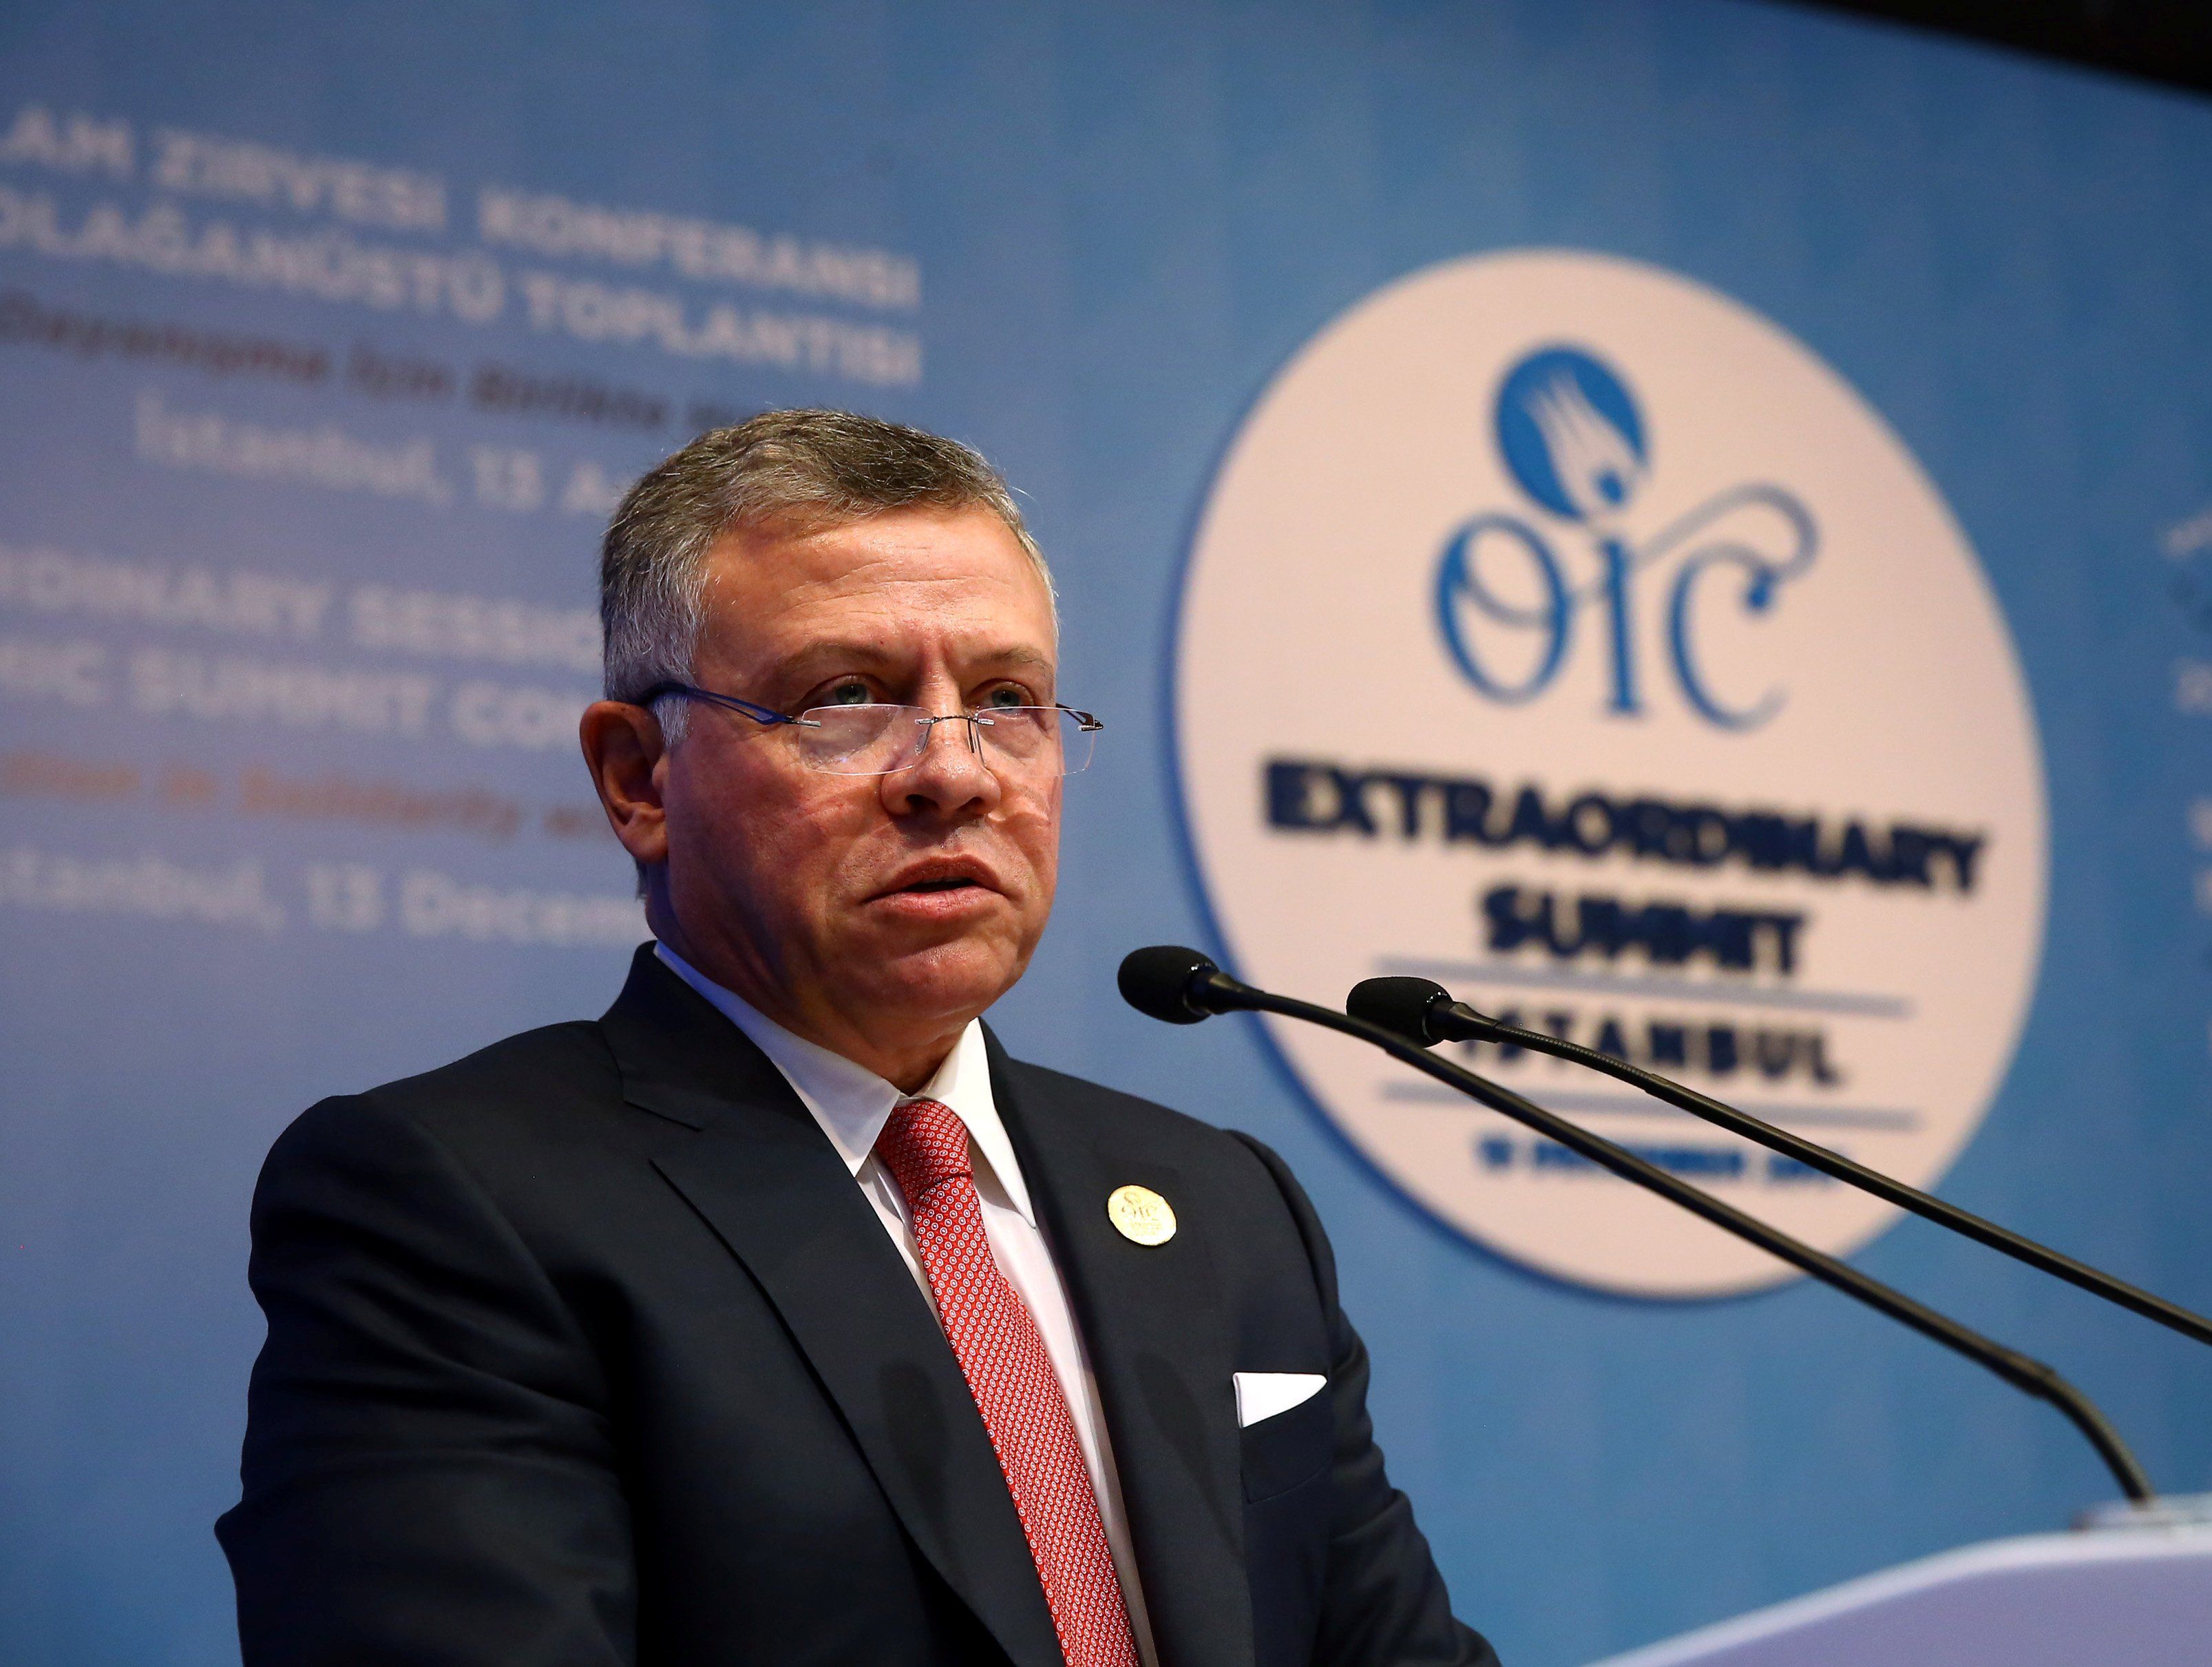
871 653
832 650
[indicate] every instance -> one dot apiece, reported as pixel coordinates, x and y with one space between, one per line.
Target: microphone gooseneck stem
2031 1376
1836 1164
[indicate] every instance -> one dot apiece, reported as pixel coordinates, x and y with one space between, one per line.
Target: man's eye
847 695
1008 697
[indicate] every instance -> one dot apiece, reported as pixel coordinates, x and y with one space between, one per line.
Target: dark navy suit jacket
586 1351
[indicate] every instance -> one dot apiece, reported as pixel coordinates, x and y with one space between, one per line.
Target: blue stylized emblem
1571 433
1574 441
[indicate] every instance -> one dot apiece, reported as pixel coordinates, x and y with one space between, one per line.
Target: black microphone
1175 985
1182 986
1424 1011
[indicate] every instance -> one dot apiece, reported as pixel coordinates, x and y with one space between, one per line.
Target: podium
2138 1594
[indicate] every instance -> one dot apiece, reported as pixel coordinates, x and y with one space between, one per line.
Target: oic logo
1572 439
1645 691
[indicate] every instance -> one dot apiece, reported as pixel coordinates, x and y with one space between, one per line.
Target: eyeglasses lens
1030 742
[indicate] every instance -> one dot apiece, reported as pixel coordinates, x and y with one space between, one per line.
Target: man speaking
778 1316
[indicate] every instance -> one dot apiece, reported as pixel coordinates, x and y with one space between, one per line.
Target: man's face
881 906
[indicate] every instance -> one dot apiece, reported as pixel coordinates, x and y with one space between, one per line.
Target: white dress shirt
851 1104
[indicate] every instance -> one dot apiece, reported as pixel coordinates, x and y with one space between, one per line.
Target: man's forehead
869 586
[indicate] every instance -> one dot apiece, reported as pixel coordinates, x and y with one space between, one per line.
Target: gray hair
807 468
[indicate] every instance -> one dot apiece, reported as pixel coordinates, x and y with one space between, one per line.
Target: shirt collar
852 1103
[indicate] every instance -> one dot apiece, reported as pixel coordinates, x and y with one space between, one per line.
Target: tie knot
923 1146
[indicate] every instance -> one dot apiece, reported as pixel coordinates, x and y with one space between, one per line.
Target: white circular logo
1562 630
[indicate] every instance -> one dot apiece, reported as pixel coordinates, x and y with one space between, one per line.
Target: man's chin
942 976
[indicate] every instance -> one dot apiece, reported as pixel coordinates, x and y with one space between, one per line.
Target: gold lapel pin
1140 1215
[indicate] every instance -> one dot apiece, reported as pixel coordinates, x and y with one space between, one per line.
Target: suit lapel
1159 1349
768 1182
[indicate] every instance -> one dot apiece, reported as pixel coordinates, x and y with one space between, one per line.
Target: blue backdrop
320 367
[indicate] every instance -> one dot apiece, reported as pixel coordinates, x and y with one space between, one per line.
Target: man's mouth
939 875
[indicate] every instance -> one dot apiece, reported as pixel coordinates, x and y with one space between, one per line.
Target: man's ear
626 755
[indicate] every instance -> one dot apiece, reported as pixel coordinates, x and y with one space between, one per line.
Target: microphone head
1405 1007
1161 983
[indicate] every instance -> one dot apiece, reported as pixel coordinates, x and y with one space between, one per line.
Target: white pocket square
1263 1394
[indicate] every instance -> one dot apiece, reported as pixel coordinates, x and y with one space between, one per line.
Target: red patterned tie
1003 1357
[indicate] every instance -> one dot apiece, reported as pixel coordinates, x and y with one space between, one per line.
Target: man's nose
949 777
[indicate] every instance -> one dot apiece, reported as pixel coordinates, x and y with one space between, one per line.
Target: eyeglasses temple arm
759 713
